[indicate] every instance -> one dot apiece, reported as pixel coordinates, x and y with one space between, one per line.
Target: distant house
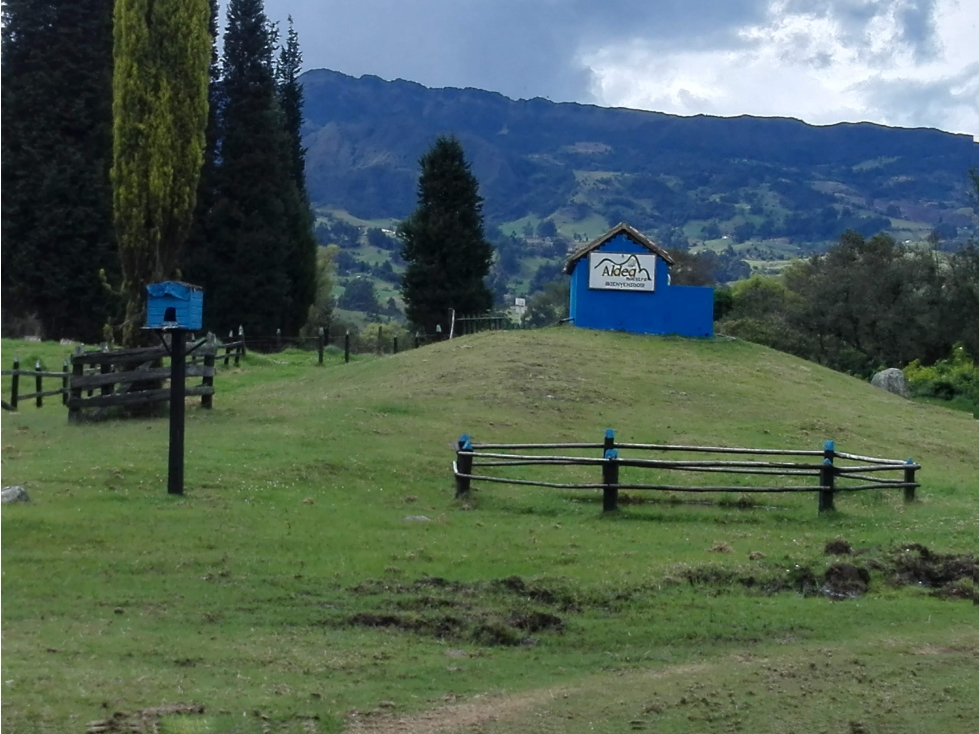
621 282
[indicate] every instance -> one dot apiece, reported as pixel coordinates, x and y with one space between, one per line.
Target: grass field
288 590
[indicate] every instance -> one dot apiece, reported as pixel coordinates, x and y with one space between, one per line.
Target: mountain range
686 180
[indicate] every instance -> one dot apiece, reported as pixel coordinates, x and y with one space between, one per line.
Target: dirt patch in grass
949 576
838 547
514 611
916 564
502 612
844 580
145 720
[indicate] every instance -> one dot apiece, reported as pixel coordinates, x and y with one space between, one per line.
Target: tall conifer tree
56 153
443 242
259 266
162 51
302 264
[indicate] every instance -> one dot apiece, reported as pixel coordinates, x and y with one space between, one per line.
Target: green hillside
288 590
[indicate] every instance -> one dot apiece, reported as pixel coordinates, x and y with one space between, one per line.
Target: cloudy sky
910 63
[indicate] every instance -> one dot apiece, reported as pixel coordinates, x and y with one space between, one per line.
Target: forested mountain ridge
584 167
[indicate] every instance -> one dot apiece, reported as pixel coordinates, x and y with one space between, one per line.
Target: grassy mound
288 584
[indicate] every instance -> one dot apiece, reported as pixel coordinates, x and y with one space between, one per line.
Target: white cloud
899 63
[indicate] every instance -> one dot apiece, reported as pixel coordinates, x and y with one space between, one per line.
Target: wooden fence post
417 340
227 350
610 477
320 345
827 477
346 347
209 355
394 344
241 347
278 340
380 346
15 383
610 473
464 464
105 368
64 384
77 370
38 384
909 479
609 439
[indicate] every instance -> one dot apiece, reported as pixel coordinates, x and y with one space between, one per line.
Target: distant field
289 590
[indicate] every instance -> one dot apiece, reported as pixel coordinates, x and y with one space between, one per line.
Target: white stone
15 494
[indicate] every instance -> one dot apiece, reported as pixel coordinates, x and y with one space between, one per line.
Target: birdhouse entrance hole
170 315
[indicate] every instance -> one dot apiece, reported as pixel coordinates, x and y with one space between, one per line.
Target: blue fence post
464 464
909 470
827 477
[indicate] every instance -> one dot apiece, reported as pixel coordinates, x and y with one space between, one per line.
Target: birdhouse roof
174 288
621 228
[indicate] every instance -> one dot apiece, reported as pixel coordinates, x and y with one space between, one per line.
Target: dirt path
481 709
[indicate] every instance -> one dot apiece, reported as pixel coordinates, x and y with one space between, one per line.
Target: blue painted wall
670 309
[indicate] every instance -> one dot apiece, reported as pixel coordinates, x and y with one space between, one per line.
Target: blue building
621 282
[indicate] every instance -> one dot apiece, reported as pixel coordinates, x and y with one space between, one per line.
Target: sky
907 63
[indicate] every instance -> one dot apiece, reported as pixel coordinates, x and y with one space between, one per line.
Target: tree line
133 152
867 303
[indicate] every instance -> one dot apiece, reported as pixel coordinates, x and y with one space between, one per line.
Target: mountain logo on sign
628 268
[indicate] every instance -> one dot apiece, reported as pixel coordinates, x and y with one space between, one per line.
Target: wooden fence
133 377
462 325
39 392
105 378
822 467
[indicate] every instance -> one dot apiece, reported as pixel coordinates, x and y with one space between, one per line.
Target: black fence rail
816 471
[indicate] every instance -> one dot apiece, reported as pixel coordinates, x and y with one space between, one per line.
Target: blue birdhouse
174 305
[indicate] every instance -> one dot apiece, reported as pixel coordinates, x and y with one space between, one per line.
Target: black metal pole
178 378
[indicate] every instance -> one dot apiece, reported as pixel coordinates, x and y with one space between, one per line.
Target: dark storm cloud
518 47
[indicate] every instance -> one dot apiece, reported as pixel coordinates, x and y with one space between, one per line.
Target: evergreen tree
291 100
443 242
160 83
258 273
56 153
302 264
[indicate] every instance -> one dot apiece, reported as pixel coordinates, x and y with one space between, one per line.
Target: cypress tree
56 153
256 257
161 52
446 252
291 100
302 262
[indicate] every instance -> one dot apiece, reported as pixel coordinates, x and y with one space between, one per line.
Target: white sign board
621 271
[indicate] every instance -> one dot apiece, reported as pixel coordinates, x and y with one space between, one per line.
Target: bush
953 379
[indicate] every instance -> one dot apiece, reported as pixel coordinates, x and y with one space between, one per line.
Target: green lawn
287 591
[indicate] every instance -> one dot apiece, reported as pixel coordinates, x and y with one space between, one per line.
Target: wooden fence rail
830 477
39 392
106 377
134 377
